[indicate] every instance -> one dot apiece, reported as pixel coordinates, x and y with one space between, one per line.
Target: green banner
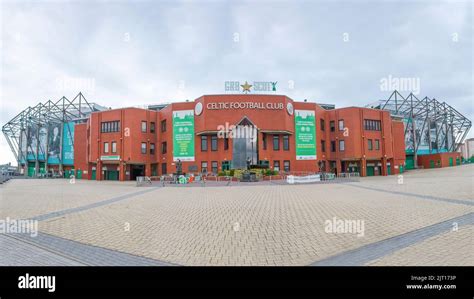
183 135
305 135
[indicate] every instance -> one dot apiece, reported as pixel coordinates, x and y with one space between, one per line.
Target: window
106 147
369 144
286 143
286 166
332 126
164 147
276 165
377 144
204 167
143 126
163 125
226 143
276 142
110 126
214 167
322 124
341 125
264 141
203 143
323 146
114 147
143 147
372 125
333 146
152 127
341 145
225 165
214 143
152 148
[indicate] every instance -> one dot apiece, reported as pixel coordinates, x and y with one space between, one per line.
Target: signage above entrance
256 86
244 105
109 158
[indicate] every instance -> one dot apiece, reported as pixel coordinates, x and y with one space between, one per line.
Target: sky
339 52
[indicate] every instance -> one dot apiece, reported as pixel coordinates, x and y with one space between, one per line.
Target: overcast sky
339 52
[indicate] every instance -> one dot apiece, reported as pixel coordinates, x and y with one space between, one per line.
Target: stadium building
215 133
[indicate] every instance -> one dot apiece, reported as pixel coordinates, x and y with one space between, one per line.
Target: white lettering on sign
244 105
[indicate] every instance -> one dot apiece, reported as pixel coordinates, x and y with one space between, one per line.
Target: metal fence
204 180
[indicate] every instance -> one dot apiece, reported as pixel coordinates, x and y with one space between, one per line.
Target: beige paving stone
454 248
278 225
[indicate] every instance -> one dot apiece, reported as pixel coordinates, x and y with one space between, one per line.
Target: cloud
146 52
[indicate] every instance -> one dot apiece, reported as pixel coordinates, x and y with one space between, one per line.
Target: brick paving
454 248
48 250
248 225
15 252
374 251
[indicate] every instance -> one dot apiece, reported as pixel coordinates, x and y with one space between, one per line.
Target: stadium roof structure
429 110
43 114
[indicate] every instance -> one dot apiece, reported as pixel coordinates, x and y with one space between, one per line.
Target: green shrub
221 173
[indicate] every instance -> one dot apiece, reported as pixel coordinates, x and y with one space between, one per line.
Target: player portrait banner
68 143
183 135
54 143
305 135
32 142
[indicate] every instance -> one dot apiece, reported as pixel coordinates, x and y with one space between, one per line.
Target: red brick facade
344 150
439 160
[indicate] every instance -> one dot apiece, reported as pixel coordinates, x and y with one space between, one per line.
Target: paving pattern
374 251
50 250
454 248
15 252
250 225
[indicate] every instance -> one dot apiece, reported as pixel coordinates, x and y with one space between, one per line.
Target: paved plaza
425 217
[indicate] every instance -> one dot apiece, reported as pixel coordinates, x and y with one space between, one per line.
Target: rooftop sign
256 86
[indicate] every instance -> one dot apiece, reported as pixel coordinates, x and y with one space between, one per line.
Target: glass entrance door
244 147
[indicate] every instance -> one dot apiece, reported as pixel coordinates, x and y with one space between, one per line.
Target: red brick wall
129 139
443 158
80 149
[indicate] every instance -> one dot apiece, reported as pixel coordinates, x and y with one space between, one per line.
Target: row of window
370 144
114 147
369 125
110 126
152 148
113 144
152 126
145 125
276 142
342 145
204 140
114 126
204 143
332 125
333 146
372 125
